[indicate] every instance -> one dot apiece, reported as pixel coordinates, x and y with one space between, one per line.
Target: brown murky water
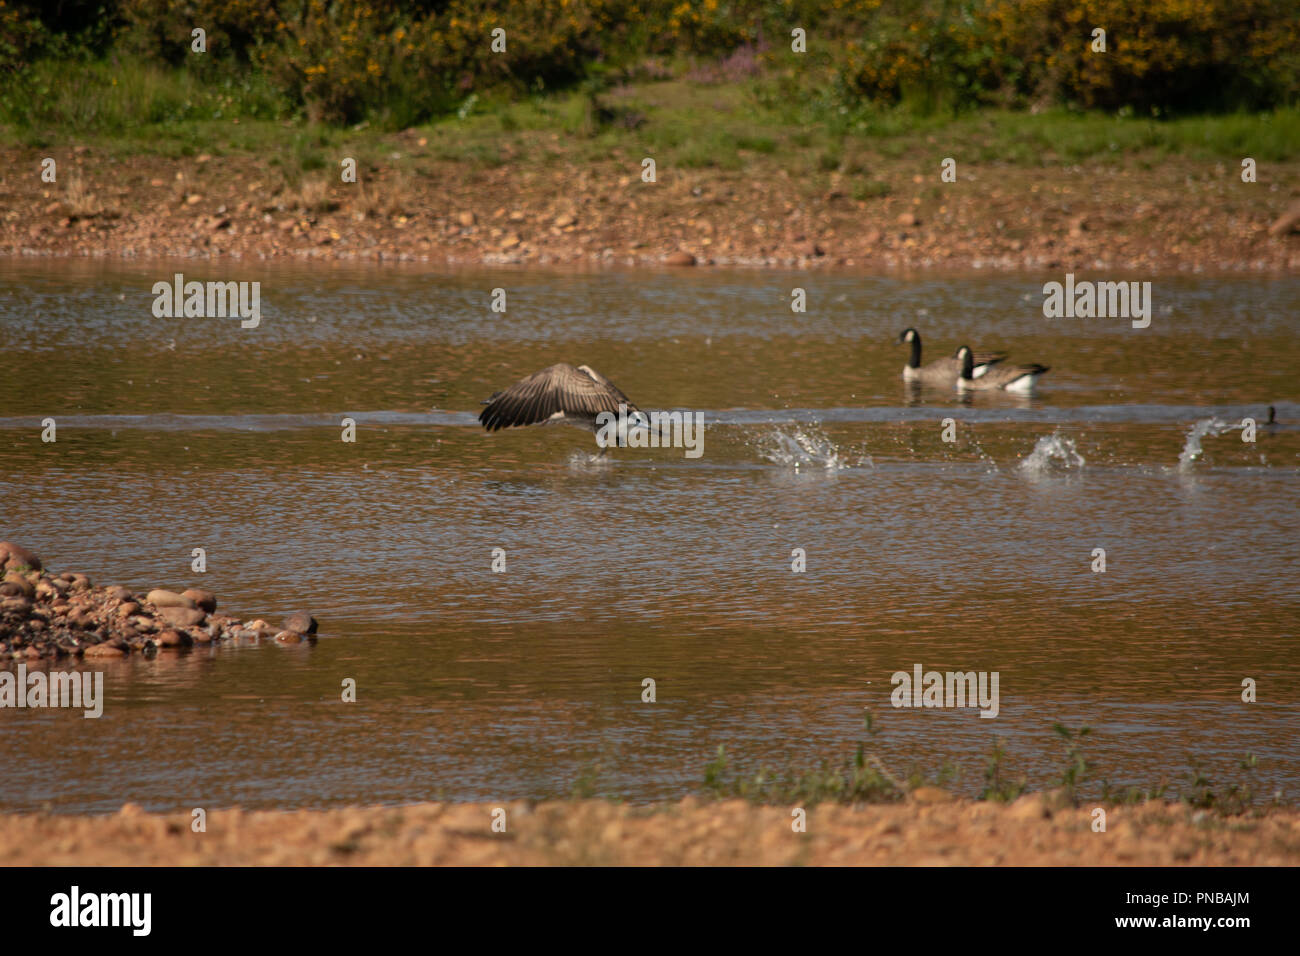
971 555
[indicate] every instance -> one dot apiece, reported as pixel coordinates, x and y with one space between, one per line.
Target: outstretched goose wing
560 391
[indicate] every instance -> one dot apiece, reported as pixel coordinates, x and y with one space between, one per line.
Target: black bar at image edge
336 903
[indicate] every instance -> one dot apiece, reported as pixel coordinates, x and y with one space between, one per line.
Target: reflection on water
968 554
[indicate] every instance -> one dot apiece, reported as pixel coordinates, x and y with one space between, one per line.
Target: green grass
141 108
863 778
127 97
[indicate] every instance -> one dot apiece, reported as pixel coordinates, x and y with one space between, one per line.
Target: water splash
1206 427
588 460
1052 453
805 447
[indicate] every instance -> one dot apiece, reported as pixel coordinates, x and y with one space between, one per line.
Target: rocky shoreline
47 616
1178 217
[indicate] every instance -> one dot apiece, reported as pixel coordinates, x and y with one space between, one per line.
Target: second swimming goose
942 371
1008 378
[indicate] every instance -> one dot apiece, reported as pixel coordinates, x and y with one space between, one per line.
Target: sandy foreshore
1177 215
930 831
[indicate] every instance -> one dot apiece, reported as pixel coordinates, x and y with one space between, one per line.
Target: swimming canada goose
1271 425
942 371
562 394
1008 378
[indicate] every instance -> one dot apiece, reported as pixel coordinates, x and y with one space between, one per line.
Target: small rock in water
159 597
15 556
288 637
181 616
105 650
202 598
173 639
301 623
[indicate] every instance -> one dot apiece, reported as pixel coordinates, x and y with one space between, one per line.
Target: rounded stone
202 599
160 597
16 605
173 639
301 622
20 581
181 616
16 556
81 617
105 651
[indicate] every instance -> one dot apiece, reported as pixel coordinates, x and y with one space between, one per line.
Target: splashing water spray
1205 427
1052 452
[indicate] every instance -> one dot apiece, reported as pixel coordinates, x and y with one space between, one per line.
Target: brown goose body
1007 378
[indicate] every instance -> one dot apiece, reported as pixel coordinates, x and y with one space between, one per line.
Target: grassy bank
682 121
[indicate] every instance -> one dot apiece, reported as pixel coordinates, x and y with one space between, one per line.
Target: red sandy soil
931 829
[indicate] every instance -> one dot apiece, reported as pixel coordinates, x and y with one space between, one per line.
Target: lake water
974 554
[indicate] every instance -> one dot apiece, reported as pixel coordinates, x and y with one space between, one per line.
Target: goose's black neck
915 360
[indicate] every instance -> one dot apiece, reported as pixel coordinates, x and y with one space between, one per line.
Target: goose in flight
562 394
944 371
1008 378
